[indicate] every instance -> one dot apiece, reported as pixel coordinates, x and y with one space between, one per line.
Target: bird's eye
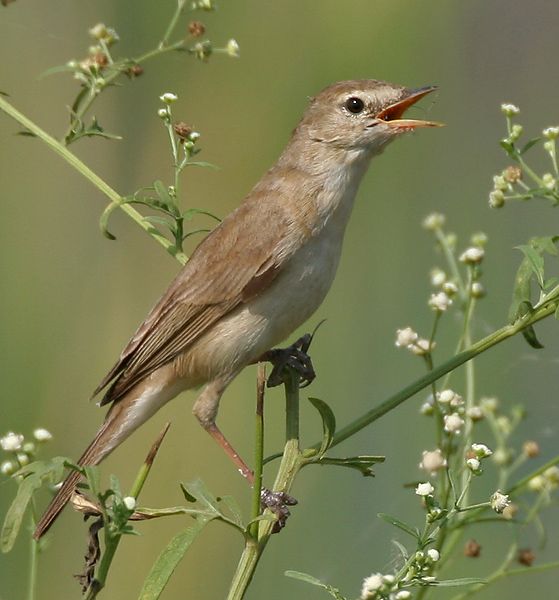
354 105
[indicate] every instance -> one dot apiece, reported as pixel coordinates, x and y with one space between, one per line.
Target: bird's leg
294 356
205 410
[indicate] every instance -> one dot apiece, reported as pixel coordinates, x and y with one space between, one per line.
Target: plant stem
34 557
99 183
541 312
291 463
258 448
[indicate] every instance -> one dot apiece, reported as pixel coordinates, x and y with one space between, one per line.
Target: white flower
438 277
472 255
434 221
474 465
42 435
447 396
552 476
11 442
499 501
450 288
424 489
370 586
549 182
489 404
496 199
426 408
433 554
432 461
481 450
162 113
477 290
422 347
8 467
537 483
439 301
129 502
405 337
402 595
193 136
453 423
233 48
22 458
168 98
551 133
475 413
510 110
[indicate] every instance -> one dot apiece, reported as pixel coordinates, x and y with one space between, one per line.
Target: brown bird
257 276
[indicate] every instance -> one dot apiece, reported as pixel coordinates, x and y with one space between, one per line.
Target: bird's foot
277 502
295 357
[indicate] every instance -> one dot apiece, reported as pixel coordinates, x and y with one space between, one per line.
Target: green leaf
93 479
535 260
163 193
522 289
34 475
400 525
104 220
458 582
529 334
509 149
168 560
362 463
54 70
334 592
529 144
328 424
202 163
25 133
234 509
403 550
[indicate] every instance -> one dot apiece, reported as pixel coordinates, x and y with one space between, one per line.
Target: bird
258 276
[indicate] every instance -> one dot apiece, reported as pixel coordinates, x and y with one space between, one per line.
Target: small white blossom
474 465
439 302
405 337
11 442
29 448
163 113
193 136
168 98
496 199
402 595
499 501
447 396
453 423
502 456
537 483
22 458
438 277
510 110
370 586
8 467
450 288
424 489
129 502
549 182
433 554
489 404
432 461
434 221
426 408
552 476
422 347
551 133
472 255
481 450
42 435
477 290
233 48
475 413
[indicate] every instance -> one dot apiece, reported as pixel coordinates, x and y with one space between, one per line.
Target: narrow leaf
168 560
328 424
458 582
163 193
104 220
530 336
334 592
400 525
536 261
529 144
362 464
522 289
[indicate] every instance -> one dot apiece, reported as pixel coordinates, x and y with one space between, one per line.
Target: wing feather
237 261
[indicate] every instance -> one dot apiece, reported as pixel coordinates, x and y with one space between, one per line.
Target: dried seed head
472 549
196 28
512 174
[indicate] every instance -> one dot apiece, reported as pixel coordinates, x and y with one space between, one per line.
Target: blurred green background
70 298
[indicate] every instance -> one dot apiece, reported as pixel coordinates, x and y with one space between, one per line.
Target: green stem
34 558
291 463
258 448
99 183
541 312
172 24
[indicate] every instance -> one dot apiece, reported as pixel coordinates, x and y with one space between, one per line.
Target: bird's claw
277 502
295 357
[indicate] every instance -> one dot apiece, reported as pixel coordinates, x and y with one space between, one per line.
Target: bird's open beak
393 113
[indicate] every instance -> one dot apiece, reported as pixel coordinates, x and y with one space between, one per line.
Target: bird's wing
233 264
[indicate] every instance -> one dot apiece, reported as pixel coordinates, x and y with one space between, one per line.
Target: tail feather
93 455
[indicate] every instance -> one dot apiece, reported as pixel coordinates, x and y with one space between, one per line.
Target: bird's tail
93 455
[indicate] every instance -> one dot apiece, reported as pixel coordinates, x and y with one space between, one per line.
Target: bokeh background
70 298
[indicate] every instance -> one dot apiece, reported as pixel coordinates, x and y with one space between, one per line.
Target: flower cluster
20 451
